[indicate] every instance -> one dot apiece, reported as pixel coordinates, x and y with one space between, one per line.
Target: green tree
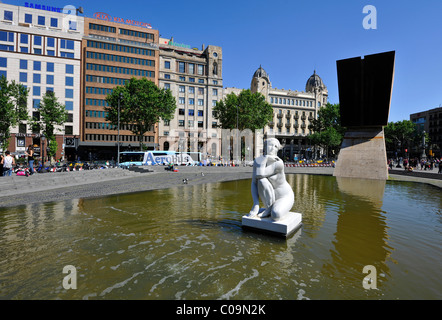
403 135
13 108
52 114
327 130
244 111
142 105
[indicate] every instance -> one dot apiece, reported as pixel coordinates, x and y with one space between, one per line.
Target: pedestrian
8 162
30 154
1 164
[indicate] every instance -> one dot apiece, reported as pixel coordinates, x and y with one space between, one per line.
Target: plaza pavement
59 186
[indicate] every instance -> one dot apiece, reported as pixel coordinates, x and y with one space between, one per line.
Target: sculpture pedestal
284 227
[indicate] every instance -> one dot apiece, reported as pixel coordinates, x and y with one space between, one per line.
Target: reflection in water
187 243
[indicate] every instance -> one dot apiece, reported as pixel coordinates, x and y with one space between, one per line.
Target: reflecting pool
187 243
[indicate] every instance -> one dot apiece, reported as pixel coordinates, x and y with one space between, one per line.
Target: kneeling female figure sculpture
270 185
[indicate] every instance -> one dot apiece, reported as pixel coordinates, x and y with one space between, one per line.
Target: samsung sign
107 17
43 7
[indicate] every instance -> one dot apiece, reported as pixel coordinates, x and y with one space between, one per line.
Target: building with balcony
293 112
195 79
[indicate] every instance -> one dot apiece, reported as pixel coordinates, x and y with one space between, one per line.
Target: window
181 67
24 49
180 123
192 90
51 53
200 80
36 91
200 69
182 89
200 90
37 78
191 112
50 67
36 103
214 103
3 62
191 101
54 22
191 79
200 124
28 18
37 51
72 25
67 44
167 123
23 77
41 20
191 68
3 73
69 105
69 93
51 42
215 81
49 79
66 55
167 86
167 76
166 64
69 130
182 100
201 102
6 36
182 78
69 69
191 123
37 40
24 38
214 92
181 112
37 65
69 81
214 125
200 113
8 15
24 64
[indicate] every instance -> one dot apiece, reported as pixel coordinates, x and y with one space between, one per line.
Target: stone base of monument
283 228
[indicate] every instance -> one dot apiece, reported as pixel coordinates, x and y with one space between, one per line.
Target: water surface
187 243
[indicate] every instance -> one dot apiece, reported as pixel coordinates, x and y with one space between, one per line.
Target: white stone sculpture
270 185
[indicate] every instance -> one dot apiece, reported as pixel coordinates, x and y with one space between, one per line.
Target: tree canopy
327 130
13 108
244 111
142 105
403 135
52 113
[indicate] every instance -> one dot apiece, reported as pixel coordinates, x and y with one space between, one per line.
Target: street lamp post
118 142
424 156
43 150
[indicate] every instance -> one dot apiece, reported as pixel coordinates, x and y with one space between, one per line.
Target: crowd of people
416 164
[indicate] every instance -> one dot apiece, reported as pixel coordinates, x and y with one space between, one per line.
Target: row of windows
191 79
293 102
190 90
191 112
37 66
111 57
109 137
117 47
37 79
41 20
190 123
96 102
101 27
138 34
122 70
184 67
108 80
94 90
96 114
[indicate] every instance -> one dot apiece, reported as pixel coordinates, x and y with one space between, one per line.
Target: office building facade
41 48
195 79
430 121
113 53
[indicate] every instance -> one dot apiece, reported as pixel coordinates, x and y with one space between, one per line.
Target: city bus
140 158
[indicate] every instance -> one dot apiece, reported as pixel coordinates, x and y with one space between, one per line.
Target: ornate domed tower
261 82
315 85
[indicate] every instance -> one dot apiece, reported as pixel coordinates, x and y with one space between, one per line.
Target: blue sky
291 38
